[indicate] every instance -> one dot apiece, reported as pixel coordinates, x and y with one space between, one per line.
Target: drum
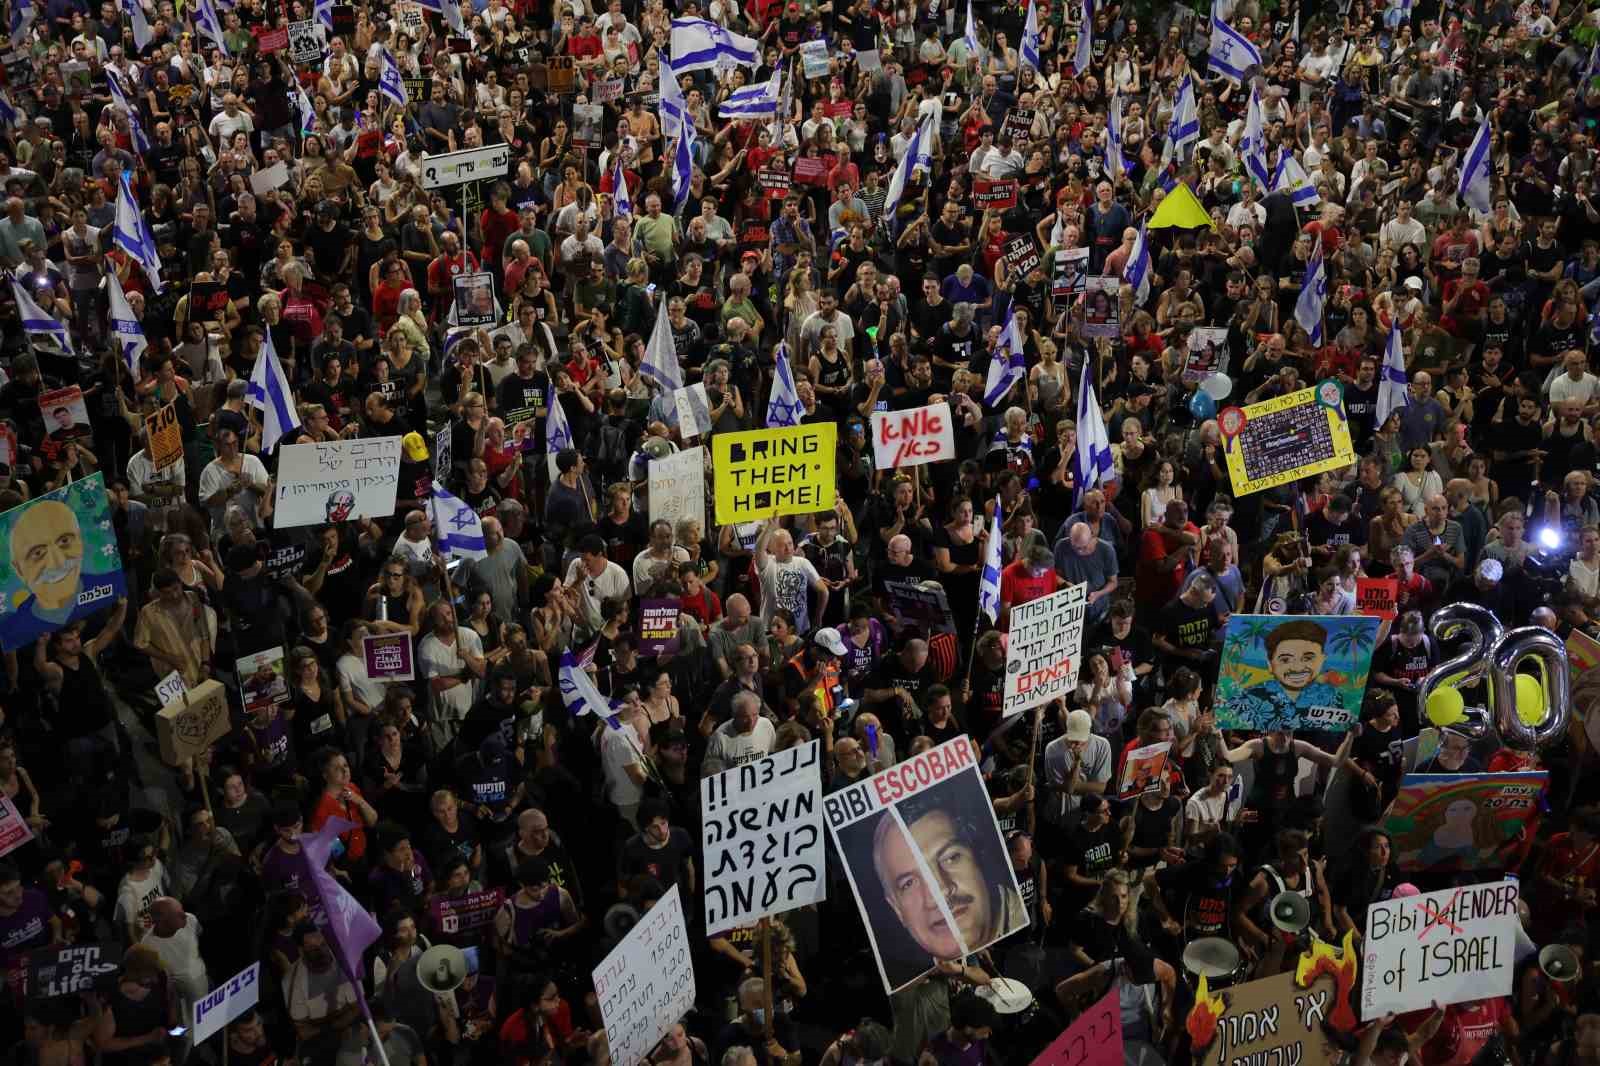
1007 995
1215 959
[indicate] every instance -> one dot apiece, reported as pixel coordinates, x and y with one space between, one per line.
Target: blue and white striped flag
36 322
1393 389
969 36
1028 51
322 11
1253 145
125 327
753 101
1084 56
132 234
1116 165
1094 463
1313 295
1477 173
699 44
449 10
1137 270
989 582
1231 54
673 106
9 118
579 694
557 432
1290 175
308 110
1184 128
23 14
1006 364
142 33
1590 68
269 391
141 140
622 202
456 526
209 25
390 83
660 362
683 166
784 407
902 172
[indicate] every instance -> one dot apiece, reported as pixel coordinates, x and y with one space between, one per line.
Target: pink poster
14 831
1095 1039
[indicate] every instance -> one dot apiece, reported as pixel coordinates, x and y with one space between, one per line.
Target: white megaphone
1290 912
1559 962
442 968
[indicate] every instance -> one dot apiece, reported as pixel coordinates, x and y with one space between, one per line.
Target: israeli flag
23 15
449 10
1253 145
683 167
390 84
36 322
989 582
902 172
207 22
458 528
1029 49
579 695
622 203
1231 54
1094 462
1292 176
1184 128
1006 364
1477 172
1591 68
141 142
132 234
322 11
1313 295
269 391
699 44
125 327
970 36
673 106
1085 53
142 33
784 407
753 101
557 434
8 114
308 110
1116 165
1393 388
1137 271
660 362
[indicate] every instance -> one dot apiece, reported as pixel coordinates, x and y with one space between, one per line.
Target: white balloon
1217 386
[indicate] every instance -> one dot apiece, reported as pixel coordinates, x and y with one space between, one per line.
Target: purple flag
349 925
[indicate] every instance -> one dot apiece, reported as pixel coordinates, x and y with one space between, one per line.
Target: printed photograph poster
1142 770
678 487
58 561
658 627
1450 946
588 125
761 828
1102 309
895 830
1457 823
646 984
914 437
1287 438
767 472
306 41
262 681
336 481
475 303
1071 271
1294 671
388 656
1583 654
1286 1018
66 416
1045 649
814 58
1207 353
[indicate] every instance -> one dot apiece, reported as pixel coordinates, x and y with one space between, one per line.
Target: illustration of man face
1296 663
340 504
47 550
915 902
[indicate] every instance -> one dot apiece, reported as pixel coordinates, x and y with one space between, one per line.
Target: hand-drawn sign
186 726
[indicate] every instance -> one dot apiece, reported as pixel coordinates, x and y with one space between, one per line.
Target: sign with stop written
912 438
1042 657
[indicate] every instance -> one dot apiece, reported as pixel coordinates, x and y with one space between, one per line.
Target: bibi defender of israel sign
1444 947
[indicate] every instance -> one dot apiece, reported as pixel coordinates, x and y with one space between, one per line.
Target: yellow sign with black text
1287 438
774 471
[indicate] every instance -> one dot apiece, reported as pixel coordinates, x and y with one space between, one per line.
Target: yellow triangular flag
1180 208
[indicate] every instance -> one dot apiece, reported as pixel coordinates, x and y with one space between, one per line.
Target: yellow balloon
1445 707
1530 699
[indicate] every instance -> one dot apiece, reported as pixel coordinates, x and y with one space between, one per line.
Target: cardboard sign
388 656
475 303
775 182
762 836
924 604
1206 354
262 680
893 828
1018 125
72 969
468 913
1141 771
165 436
772 472
1377 596
66 416
561 74
814 58
337 481
226 1002
1294 671
912 438
1281 1019
1093 1039
274 177
1454 823
442 446
1287 438
1450 946
1044 652
997 194
658 626
271 40
646 984
678 487
58 561
306 40
195 720
14 828
170 688
1021 254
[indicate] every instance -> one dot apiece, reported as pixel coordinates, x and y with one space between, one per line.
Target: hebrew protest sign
924 604
467 912
193 720
336 481
58 561
646 984
1283 1020
762 837
912 438
1450 823
658 626
1294 671
226 1002
999 194
71 969
1093 1039
1444 947
768 472
893 829
1377 596
1043 653
388 656
1206 354
1287 438
678 487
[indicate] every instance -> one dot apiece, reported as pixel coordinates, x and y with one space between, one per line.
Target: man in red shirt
1166 552
1028 577
1465 299
450 261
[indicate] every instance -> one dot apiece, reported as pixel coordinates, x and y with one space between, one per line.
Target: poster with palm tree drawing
1294 671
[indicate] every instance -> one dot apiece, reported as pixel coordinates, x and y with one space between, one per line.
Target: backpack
612 449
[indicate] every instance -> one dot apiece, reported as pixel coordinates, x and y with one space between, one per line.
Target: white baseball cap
1079 726
829 638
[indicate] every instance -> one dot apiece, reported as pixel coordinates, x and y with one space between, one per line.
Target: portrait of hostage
1296 654
55 567
942 887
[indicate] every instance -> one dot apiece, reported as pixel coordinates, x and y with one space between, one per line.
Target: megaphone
442 968
1290 912
620 918
1558 962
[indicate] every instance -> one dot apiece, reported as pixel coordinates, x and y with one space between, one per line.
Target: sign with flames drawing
1278 1021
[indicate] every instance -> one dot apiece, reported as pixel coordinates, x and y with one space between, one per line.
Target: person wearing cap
1076 764
816 673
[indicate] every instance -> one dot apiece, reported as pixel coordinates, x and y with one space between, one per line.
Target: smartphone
178 1030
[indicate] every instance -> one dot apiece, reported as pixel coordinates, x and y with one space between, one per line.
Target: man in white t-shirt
1576 384
175 936
1402 229
1076 764
593 578
622 760
785 577
743 738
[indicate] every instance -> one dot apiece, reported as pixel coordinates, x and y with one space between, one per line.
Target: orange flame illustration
1340 964
1203 1016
